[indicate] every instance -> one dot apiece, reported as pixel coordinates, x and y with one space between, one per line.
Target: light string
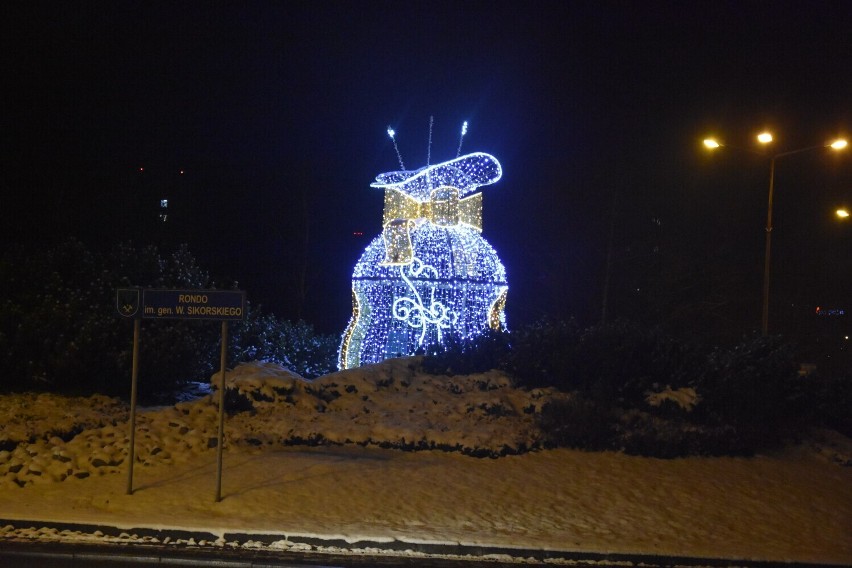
412 310
461 138
392 135
429 147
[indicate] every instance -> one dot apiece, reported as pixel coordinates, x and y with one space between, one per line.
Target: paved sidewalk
786 508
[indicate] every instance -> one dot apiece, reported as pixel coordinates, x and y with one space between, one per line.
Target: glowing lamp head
764 137
842 213
839 144
711 143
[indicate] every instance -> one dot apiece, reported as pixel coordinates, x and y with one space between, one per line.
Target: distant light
830 312
842 213
141 169
711 143
181 172
358 233
464 128
839 144
391 132
764 137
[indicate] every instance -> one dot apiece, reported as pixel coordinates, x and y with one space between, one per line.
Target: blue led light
430 275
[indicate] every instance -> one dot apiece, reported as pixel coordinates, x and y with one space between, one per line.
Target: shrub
616 363
828 398
622 362
59 329
455 357
578 422
647 435
754 388
545 354
263 337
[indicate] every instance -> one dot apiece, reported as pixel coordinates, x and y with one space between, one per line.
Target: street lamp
766 138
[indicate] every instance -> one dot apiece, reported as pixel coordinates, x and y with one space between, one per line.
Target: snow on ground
794 505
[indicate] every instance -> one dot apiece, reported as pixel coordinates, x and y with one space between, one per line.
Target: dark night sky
277 113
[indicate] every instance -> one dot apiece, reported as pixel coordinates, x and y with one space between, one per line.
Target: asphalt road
19 554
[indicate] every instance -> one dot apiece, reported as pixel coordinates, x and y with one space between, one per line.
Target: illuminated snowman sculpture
430 275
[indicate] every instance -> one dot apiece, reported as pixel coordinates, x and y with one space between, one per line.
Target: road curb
359 552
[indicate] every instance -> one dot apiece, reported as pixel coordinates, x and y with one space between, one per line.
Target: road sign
182 304
127 301
141 303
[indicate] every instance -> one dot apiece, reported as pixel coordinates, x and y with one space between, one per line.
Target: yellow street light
765 138
836 145
842 213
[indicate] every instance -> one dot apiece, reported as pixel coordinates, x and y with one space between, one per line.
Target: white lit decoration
461 138
430 275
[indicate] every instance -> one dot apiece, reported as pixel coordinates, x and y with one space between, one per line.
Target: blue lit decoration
430 274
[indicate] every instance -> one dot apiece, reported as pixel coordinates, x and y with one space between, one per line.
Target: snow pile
685 397
27 417
391 405
40 436
351 493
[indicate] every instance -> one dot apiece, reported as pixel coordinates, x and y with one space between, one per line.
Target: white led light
392 134
461 138
430 275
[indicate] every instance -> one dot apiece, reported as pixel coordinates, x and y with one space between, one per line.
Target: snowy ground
65 461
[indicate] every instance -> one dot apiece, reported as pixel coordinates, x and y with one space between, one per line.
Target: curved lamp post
766 138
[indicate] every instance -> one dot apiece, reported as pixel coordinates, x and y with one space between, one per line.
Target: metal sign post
134 376
128 302
224 305
221 439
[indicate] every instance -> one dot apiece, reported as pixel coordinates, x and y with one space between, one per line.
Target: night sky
276 112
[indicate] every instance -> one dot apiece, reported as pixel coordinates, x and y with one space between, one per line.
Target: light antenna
463 132
429 148
392 135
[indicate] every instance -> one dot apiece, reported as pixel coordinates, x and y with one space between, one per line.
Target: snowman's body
430 275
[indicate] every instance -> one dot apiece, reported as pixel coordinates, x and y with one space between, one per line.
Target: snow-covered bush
295 345
642 391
